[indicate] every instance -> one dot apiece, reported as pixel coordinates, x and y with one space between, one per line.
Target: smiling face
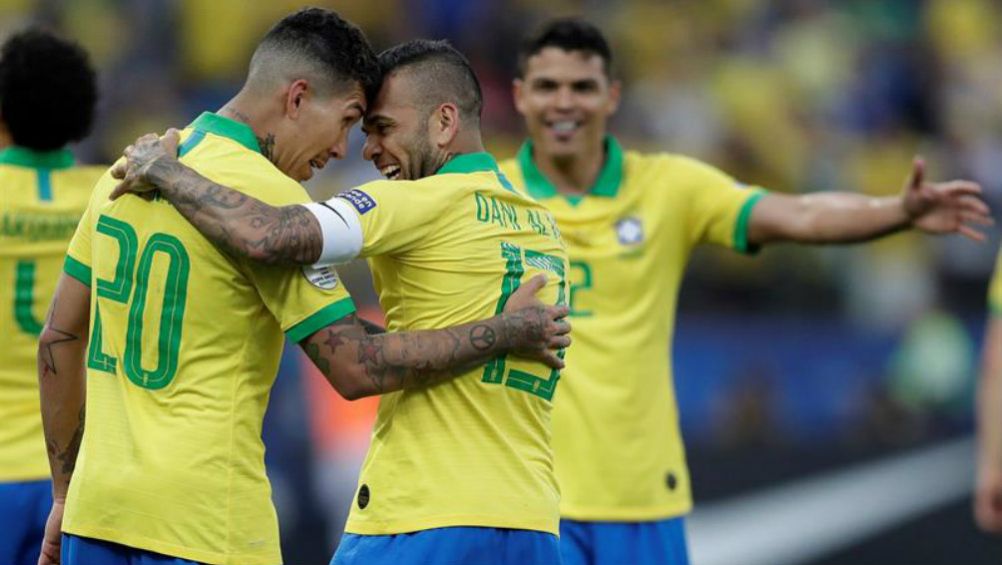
398 131
319 131
566 98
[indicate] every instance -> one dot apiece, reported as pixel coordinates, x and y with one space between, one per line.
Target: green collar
606 185
24 157
469 163
225 127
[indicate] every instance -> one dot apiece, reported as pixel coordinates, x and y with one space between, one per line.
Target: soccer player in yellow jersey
630 221
185 340
47 95
988 492
461 472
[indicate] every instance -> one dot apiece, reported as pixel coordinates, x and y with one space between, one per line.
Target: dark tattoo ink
482 337
267 144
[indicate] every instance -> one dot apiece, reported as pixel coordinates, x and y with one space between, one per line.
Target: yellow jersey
184 346
995 288
474 451
42 199
619 453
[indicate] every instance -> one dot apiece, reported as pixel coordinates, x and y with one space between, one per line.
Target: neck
463 143
254 112
5 139
572 174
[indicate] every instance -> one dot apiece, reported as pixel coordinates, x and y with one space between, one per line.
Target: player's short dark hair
445 74
568 34
48 90
333 47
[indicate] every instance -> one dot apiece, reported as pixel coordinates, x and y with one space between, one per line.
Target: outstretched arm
62 388
359 364
988 492
842 217
237 223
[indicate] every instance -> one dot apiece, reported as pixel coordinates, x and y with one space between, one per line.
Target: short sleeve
303 300
720 207
995 288
78 256
395 216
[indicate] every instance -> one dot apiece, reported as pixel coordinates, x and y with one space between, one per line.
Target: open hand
541 329
133 170
945 207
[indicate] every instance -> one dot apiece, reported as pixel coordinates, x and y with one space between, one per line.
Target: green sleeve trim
320 319
995 309
741 226
77 270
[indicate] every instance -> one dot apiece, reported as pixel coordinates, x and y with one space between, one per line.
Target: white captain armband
341 230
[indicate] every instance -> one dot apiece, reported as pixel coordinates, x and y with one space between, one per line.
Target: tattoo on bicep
313 352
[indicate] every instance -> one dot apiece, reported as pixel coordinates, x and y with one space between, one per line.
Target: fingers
976 218
562 341
536 283
551 360
122 188
971 233
958 188
918 173
557 312
170 141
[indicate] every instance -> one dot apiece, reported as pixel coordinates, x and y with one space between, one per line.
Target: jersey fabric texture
184 346
42 198
618 451
474 451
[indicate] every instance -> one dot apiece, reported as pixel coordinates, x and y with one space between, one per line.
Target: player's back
42 196
185 343
473 451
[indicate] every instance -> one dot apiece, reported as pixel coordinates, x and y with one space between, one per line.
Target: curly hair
48 90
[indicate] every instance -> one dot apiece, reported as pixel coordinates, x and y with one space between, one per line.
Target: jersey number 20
130 286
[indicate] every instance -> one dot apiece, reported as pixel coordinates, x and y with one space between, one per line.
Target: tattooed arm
61 371
359 364
240 224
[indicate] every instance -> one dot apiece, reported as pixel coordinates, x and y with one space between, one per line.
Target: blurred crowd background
825 349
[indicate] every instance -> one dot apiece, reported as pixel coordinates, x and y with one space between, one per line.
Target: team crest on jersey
360 200
321 277
630 231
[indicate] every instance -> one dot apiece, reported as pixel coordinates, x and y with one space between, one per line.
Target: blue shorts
623 543
25 507
78 550
450 546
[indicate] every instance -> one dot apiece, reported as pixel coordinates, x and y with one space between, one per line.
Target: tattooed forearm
240 224
361 364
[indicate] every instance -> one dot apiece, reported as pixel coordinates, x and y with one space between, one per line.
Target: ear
518 94
615 91
445 124
295 96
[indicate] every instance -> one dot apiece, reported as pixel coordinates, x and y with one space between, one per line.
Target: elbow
351 384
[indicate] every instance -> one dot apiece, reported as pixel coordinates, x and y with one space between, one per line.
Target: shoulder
226 162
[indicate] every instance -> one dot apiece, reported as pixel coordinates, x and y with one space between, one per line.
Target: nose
371 149
564 99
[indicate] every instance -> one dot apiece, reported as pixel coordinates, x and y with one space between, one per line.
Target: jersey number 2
130 286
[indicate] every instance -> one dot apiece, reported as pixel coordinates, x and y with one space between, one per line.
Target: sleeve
78 255
395 216
303 300
719 207
995 288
